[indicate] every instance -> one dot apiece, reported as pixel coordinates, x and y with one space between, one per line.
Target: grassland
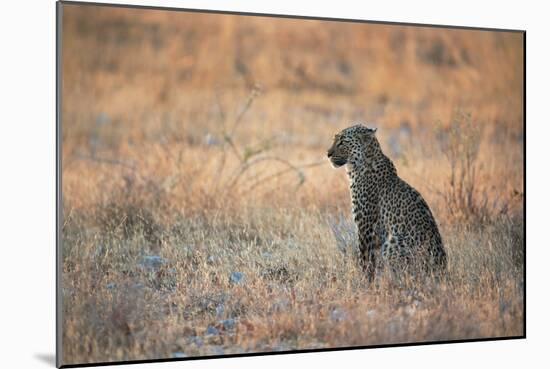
201 217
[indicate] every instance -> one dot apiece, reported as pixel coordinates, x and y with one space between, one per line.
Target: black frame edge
525 184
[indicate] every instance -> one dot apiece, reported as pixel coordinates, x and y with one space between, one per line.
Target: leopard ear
368 132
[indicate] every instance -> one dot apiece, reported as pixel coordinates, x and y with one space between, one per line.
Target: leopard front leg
369 248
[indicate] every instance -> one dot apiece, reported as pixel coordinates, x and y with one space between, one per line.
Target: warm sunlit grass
202 218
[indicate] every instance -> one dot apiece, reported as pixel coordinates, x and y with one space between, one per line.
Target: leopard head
352 146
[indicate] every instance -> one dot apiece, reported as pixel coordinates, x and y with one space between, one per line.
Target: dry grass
201 216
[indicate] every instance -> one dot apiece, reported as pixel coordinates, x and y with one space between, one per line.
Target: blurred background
142 88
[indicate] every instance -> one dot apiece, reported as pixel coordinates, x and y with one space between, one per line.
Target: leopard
396 228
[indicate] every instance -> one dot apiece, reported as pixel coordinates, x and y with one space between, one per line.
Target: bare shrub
250 156
460 143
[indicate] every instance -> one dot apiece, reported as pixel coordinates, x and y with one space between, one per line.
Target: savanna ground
201 216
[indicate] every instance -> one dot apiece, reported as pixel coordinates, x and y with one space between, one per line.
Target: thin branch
128 165
227 138
283 172
247 165
221 111
67 218
255 92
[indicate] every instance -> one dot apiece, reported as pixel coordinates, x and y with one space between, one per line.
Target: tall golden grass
201 217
